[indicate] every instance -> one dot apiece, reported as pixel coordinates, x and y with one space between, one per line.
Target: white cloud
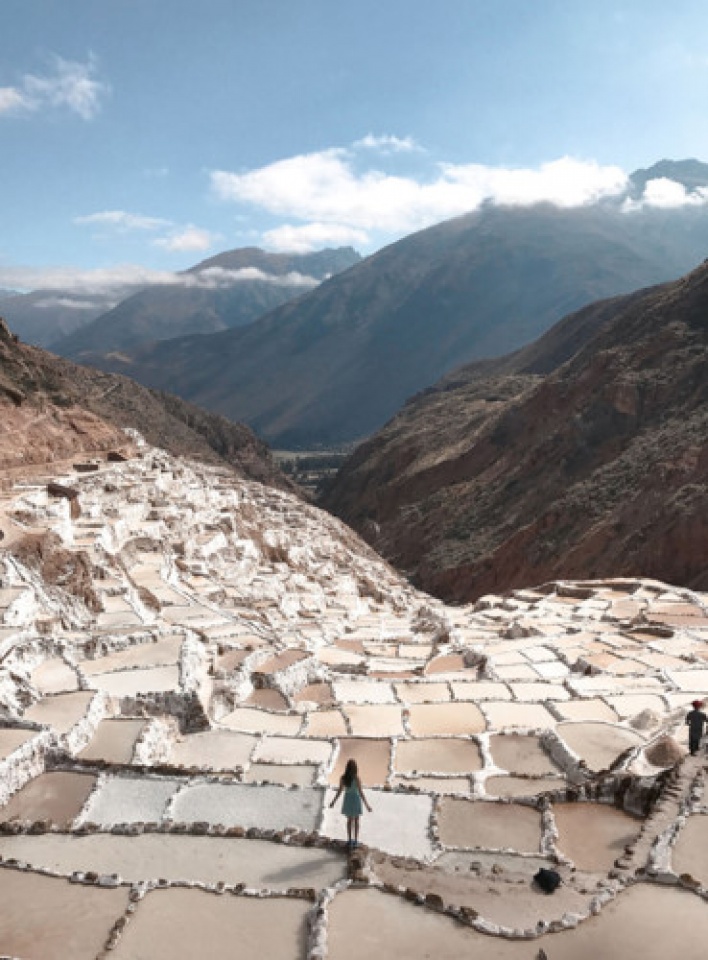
122 281
668 194
12 100
387 144
71 85
122 220
325 188
187 239
313 236
72 303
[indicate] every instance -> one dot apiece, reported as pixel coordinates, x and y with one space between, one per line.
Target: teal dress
352 801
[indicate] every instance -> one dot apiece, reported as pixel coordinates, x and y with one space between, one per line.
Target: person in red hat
696 721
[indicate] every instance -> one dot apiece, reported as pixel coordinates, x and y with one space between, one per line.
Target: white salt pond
245 805
128 683
216 749
61 711
54 676
12 738
154 654
129 799
257 863
178 924
399 823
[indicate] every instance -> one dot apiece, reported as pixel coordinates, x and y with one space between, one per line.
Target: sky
139 137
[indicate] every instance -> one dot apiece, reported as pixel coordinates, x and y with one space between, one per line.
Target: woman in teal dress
350 784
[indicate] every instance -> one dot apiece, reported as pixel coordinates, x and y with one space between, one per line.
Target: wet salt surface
430 719
593 835
114 741
51 919
438 756
256 863
55 796
519 754
690 853
465 823
181 924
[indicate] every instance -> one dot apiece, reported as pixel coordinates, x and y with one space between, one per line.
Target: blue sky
138 137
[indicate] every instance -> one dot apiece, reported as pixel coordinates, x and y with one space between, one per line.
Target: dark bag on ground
548 880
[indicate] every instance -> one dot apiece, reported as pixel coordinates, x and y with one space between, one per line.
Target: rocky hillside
334 365
230 290
52 409
585 453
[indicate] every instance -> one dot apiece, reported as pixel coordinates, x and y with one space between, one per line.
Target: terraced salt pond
198 732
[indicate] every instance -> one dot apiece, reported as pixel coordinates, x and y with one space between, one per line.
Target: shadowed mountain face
335 364
52 409
229 290
585 454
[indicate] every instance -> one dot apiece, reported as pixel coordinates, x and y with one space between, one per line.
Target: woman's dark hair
350 772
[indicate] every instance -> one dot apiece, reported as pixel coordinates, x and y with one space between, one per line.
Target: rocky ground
188 658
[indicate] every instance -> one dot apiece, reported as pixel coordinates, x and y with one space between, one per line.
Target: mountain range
332 366
582 455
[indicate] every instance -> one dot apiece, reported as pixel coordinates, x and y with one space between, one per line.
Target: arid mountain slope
335 364
52 409
584 455
230 290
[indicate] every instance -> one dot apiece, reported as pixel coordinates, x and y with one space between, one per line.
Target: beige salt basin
300 774
598 744
372 758
12 738
54 676
441 719
491 826
216 749
152 856
45 918
521 755
593 835
55 796
129 683
180 924
62 711
647 922
690 854
437 756
114 741
521 786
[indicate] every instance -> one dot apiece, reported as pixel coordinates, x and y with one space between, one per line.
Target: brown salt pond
267 699
12 738
52 919
519 754
423 692
61 711
320 693
180 924
217 749
257 863
114 741
372 757
504 714
430 719
326 723
491 826
521 786
598 744
435 784
292 750
252 720
593 835
375 720
690 854
437 756
55 796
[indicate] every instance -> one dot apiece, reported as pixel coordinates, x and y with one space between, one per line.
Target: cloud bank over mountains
337 195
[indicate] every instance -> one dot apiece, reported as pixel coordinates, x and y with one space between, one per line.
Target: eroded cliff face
596 468
54 410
